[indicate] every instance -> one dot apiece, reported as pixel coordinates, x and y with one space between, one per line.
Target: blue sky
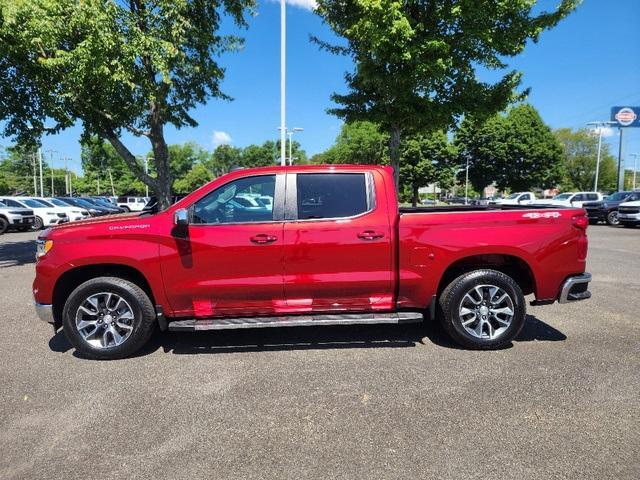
576 72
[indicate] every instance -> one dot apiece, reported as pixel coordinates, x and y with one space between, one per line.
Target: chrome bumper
45 312
575 288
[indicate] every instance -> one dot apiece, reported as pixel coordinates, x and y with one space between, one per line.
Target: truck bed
474 208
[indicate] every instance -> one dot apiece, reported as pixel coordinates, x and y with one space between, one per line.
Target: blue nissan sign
626 116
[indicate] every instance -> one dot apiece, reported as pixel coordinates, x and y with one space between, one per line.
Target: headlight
42 247
76 211
51 213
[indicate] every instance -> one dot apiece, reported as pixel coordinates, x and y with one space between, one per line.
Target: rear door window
332 195
592 196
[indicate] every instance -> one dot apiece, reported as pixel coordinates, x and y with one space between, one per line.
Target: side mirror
181 217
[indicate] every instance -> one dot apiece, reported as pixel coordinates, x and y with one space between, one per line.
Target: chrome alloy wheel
486 311
104 320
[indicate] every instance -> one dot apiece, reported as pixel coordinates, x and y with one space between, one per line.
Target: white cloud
221 138
305 4
606 131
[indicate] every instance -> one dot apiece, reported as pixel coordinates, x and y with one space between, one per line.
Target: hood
112 219
635 203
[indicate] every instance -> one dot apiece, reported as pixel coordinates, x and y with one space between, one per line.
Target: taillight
580 222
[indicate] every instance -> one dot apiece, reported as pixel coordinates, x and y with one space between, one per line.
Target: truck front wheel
108 318
483 309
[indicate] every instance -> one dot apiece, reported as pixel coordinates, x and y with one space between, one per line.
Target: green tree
427 158
515 150
580 153
115 66
360 143
193 179
415 60
224 158
17 169
101 164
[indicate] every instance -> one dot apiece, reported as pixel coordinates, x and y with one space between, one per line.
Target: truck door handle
262 238
370 235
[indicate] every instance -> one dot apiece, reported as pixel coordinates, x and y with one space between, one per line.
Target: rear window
333 195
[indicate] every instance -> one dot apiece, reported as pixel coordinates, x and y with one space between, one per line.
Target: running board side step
295 321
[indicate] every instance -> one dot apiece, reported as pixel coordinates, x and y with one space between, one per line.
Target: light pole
41 181
290 133
635 167
146 171
599 125
51 152
283 53
466 185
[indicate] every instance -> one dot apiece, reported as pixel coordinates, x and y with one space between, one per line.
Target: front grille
632 210
61 215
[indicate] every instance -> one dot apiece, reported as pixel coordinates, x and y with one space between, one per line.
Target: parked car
517 198
20 219
457 200
571 199
629 213
74 213
152 205
335 249
100 203
94 210
607 209
45 215
132 204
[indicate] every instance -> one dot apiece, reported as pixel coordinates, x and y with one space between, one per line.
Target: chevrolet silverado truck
331 247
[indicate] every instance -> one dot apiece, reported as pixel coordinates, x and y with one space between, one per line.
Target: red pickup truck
306 245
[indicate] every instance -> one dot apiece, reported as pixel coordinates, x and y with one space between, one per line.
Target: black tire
612 218
143 323
451 300
4 224
38 224
125 209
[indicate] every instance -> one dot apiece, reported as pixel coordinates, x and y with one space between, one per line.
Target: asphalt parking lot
333 402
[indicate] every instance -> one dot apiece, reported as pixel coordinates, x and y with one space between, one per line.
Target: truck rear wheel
108 318
483 309
4 224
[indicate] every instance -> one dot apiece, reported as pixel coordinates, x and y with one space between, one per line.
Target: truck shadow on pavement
13 254
315 338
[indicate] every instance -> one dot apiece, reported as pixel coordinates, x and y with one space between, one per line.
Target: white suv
45 216
629 213
132 204
572 199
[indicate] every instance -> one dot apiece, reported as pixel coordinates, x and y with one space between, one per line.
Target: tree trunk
164 179
394 153
416 195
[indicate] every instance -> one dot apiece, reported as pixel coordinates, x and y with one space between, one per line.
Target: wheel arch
72 278
511 265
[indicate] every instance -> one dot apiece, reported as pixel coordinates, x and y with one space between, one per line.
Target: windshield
2 204
563 196
44 202
616 197
34 203
58 203
512 196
